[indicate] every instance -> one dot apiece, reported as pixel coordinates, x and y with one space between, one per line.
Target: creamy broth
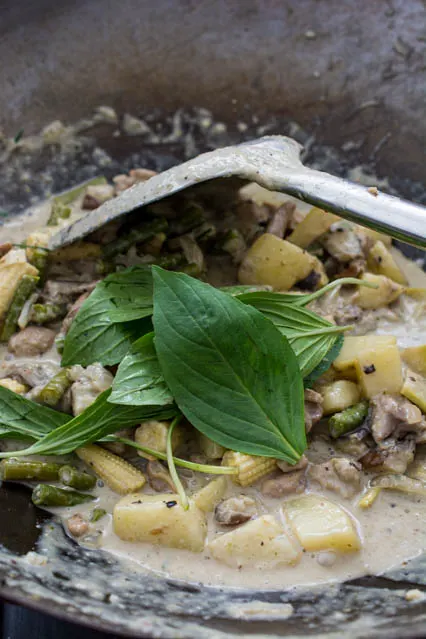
392 532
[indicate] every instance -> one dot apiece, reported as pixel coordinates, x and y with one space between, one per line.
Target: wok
348 82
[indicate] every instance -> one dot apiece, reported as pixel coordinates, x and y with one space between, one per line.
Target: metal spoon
274 163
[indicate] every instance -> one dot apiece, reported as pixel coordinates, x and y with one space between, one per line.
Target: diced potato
261 542
352 345
153 434
373 235
379 370
316 223
160 519
209 448
414 389
207 497
415 357
339 395
388 291
275 262
320 524
380 261
10 277
13 385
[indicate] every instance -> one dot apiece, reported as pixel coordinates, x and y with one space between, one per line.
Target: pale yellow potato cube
415 357
13 385
414 389
207 497
261 542
375 236
160 519
315 224
352 345
209 448
379 370
339 395
387 291
320 524
380 261
275 262
153 435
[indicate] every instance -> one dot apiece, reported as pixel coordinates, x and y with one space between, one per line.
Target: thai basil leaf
139 380
24 418
130 291
232 374
325 364
93 337
99 419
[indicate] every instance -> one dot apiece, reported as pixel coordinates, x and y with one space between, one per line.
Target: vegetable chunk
316 223
379 370
261 542
352 346
380 261
339 395
414 389
160 519
320 524
388 291
415 357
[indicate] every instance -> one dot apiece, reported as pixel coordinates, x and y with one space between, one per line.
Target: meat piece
5 248
159 479
339 474
354 444
342 242
278 223
33 340
88 384
123 182
29 372
97 194
348 314
77 525
235 510
285 484
393 456
68 319
313 408
62 292
354 268
394 415
285 467
78 271
310 282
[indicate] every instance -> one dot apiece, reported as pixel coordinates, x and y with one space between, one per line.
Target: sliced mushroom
235 510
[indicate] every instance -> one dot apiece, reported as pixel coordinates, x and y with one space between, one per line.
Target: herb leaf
139 380
325 364
22 417
232 374
99 419
130 291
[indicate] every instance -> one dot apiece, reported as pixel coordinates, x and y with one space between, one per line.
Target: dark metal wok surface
353 77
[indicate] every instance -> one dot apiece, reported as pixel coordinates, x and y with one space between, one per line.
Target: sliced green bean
46 495
74 478
138 235
48 312
97 514
51 394
18 470
347 420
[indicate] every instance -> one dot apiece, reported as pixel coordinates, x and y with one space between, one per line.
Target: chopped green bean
25 288
97 514
347 420
54 389
192 216
16 469
46 495
138 235
74 478
48 312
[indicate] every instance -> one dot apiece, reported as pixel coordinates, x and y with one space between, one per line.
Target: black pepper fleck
170 504
369 369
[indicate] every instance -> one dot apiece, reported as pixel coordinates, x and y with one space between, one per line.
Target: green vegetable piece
192 216
347 420
74 478
48 312
139 381
97 514
58 212
141 234
98 420
55 388
232 374
39 258
25 289
17 470
46 495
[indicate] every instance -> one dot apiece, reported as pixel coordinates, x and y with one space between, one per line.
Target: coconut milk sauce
392 531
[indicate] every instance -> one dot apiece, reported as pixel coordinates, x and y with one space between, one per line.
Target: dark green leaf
325 364
139 381
20 416
99 419
130 292
230 371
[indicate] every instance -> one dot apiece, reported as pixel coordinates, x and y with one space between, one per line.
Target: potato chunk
275 262
320 524
415 357
388 291
261 542
316 223
380 261
352 345
414 389
207 497
339 395
160 519
379 370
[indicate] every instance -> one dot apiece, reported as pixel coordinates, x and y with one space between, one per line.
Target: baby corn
250 468
118 474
